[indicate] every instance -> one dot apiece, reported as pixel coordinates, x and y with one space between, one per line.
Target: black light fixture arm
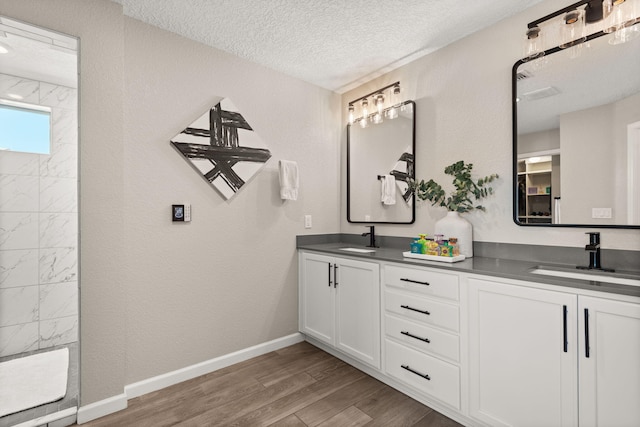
375 92
593 3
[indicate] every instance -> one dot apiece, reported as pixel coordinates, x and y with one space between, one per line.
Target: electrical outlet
602 213
307 221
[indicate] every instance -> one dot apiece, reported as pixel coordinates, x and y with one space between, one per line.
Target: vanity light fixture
389 93
581 22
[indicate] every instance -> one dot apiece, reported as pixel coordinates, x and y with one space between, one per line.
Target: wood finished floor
296 386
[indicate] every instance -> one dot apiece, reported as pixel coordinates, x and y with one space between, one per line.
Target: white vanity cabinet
523 365
609 364
543 357
340 304
483 350
421 331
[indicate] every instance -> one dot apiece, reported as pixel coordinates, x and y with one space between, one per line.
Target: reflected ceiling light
621 18
381 99
380 103
15 96
4 48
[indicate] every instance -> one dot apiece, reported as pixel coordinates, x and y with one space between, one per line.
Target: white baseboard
117 403
101 408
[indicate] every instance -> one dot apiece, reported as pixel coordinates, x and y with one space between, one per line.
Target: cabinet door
358 310
317 291
523 355
609 362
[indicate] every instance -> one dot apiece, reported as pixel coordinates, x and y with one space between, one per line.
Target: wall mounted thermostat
181 213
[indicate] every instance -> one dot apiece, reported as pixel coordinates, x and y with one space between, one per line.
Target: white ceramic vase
453 225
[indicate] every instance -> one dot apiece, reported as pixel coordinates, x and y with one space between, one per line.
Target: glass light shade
533 47
618 14
573 29
364 122
380 103
392 113
625 34
365 109
377 118
351 114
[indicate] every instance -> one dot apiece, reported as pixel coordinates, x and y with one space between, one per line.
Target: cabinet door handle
415 309
427 340
425 376
335 275
586 332
564 328
330 283
415 281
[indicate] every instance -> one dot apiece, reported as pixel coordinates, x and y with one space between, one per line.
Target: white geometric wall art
222 146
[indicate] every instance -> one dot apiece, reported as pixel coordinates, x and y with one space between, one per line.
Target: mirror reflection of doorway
39 315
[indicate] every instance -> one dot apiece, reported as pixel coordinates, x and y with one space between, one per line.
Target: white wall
463 97
228 279
544 140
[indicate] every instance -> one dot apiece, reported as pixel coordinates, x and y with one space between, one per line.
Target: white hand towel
288 180
388 196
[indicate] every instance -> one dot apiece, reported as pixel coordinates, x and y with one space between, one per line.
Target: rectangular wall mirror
576 139
376 151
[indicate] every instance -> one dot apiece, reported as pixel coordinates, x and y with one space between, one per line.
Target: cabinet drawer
423 337
422 309
442 285
413 368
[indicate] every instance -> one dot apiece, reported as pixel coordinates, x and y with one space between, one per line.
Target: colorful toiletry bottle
433 248
455 249
416 247
445 249
423 242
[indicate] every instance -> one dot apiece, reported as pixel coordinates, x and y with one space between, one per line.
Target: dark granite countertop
496 267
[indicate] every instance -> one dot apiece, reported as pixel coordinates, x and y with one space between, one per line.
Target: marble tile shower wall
39 228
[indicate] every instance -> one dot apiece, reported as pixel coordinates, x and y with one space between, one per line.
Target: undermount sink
592 275
359 250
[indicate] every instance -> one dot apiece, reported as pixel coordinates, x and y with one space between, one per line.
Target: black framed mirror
375 153
576 136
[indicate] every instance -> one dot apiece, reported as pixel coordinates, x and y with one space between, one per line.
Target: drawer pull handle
415 281
427 340
425 376
415 309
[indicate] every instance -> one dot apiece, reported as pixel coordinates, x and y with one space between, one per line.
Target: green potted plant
468 192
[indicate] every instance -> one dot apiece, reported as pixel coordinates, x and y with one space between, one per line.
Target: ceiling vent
522 75
540 93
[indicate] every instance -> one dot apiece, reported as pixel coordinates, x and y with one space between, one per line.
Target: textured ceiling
335 44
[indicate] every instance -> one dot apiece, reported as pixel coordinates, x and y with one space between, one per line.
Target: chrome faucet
372 236
594 253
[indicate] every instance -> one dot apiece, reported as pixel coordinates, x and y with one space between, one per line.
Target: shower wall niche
39 226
